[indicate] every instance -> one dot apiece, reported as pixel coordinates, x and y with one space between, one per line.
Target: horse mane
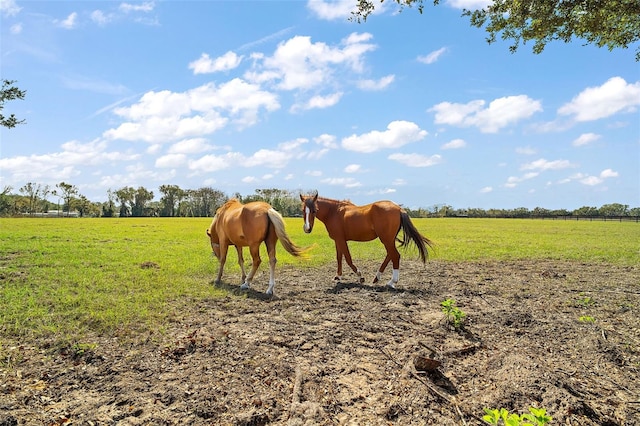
226 205
338 202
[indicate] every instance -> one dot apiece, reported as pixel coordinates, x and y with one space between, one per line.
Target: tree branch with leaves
10 92
614 24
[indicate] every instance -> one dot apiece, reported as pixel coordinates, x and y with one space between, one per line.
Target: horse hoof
244 286
375 280
361 280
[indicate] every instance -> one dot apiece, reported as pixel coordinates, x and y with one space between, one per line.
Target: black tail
411 233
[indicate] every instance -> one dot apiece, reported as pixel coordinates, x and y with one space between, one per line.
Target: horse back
370 221
245 225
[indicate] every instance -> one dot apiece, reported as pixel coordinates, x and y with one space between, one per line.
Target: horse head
309 210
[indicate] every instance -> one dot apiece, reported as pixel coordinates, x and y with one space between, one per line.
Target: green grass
508 239
70 277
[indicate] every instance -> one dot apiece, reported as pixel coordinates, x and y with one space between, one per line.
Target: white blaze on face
307 225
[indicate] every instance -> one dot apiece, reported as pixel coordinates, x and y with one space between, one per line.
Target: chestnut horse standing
242 225
347 222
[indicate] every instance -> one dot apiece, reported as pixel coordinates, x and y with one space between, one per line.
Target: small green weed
586 300
535 417
454 315
79 349
587 319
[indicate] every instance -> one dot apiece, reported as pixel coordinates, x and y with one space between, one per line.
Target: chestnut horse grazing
242 225
347 222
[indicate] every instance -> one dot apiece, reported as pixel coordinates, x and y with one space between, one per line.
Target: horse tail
411 233
278 225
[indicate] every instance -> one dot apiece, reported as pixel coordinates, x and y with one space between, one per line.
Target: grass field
69 277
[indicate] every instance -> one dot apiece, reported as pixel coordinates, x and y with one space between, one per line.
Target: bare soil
321 353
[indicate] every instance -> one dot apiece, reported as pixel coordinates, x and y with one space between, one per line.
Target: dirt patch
557 335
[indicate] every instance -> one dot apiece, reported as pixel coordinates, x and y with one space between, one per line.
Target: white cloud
16 29
167 116
416 160
346 182
190 146
525 150
590 180
593 103
146 6
500 113
352 168
268 158
70 22
454 144
486 190
154 148
469 4
100 18
262 158
398 133
171 161
387 191
326 140
206 65
9 7
320 102
293 144
585 139
332 10
608 173
513 181
299 64
275 159
543 164
373 85
214 163
51 168
433 56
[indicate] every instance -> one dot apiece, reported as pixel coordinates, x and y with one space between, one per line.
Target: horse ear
208 233
315 197
302 198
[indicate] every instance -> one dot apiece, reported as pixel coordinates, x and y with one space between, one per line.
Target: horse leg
394 255
223 258
386 261
255 255
241 263
338 276
347 257
271 250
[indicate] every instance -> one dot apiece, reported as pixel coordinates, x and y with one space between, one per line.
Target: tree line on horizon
34 199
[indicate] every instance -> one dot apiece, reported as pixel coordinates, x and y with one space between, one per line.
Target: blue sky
240 95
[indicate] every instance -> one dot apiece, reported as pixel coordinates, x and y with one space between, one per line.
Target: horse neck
326 208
